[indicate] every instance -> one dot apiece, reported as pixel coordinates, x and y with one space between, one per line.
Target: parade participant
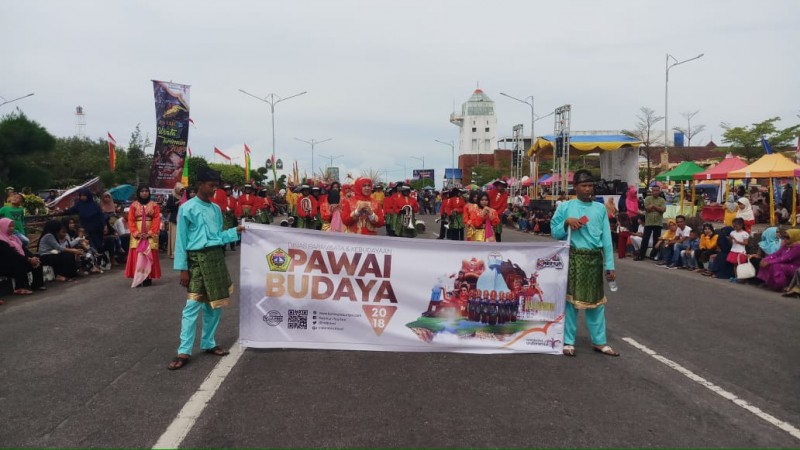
200 259
389 209
16 212
455 205
483 220
144 220
360 213
470 209
307 209
444 214
220 198
331 210
407 210
231 213
247 202
264 207
378 195
316 192
590 252
498 201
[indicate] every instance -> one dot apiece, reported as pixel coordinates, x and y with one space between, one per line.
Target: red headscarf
7 235
632 201
358 188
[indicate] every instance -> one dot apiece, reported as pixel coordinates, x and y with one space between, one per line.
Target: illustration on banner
493 299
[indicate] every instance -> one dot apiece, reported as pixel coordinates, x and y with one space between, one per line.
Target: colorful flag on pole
189 149
112 153
767 148
246 164
192 122
222 155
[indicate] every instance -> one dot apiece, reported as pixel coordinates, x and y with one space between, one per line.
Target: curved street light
313 142
272 100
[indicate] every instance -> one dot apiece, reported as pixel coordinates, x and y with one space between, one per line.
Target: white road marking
186 418
718 390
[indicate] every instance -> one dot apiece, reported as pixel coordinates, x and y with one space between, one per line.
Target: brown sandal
178 362
216 351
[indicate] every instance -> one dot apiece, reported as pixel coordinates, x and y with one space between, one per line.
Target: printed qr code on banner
298 319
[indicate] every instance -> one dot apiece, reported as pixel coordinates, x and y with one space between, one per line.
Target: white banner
309 289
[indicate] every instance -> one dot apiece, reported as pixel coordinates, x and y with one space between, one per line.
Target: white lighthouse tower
478 124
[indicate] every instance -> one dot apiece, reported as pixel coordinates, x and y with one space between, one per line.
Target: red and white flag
189 149
222 155
112 154
246 149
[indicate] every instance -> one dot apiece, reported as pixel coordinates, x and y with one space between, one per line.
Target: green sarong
228 220
457 221
585 278
209 281
400 230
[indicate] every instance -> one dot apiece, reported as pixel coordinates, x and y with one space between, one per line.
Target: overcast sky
382 76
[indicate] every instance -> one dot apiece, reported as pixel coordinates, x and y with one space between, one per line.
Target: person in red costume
247 202
230 212
482 220
307 209
220 198
405 199
498 201
361 213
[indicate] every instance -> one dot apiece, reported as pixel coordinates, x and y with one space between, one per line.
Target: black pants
456 234
20 274
442 229
650 230
63 264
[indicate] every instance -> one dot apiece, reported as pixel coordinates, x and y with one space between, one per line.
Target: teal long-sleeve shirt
595 234
199 226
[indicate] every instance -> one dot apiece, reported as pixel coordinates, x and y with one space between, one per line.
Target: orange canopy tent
771 166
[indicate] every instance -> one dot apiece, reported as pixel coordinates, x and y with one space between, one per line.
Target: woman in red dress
144 220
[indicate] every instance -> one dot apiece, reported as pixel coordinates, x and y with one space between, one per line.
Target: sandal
178 362
569 350
216 351
23 292
606 350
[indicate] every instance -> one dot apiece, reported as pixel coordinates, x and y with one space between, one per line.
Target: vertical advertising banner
172 135
307 289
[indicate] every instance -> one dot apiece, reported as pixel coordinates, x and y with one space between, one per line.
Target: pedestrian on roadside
16 212
200 258
590 253
654 207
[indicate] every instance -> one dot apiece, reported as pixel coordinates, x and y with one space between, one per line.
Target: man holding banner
200 258
585 223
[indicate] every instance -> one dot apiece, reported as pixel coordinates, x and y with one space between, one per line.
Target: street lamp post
272 100
313 142
666 95
452 160
405 170
534 171
331 158
18 98
422 160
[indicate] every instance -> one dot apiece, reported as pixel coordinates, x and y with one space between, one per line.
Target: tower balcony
456 119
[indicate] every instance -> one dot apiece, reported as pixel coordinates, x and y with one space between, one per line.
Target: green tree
419 184
645 132
746 141
20 139
195 164
76 160
484 173
137 161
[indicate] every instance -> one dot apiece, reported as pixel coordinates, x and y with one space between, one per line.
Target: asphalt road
84 365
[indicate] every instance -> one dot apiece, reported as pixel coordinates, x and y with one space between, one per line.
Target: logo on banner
551 262
379 317
278 260
273 318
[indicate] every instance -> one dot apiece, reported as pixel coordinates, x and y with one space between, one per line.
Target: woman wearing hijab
718 266
778 268
91 217
745 213
632 203
107 205
144 220
16 261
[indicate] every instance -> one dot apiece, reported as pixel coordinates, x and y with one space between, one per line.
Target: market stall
685 171
716 213
771 166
